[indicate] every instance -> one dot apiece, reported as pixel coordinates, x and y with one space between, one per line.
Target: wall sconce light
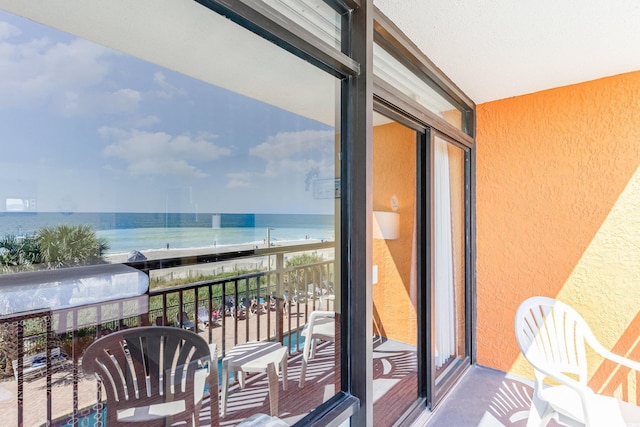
386 225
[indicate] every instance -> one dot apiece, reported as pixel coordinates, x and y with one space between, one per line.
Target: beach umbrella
136 256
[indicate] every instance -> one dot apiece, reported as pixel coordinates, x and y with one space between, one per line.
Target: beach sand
282 246
258 261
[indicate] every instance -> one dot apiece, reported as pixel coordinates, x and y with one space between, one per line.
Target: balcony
227 298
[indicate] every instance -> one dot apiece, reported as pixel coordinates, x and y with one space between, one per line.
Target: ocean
125 232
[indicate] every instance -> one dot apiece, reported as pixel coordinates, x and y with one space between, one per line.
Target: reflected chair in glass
321 326
154 376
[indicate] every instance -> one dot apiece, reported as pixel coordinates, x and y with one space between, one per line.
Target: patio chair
552 337
185 322
262 420
321 326
312 291
154 375
35 365
262 304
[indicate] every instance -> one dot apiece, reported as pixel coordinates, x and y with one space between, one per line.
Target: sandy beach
258 261
282 246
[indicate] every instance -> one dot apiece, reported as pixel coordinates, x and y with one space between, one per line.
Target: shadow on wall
610 378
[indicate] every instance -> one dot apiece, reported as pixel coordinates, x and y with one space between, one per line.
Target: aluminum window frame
272 25
391 38
354 66
402 108
362 25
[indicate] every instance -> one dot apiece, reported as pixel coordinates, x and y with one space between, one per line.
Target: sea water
125 232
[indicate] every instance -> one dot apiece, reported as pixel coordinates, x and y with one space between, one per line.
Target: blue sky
88 129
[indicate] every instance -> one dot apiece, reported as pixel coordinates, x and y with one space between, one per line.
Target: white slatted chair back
552 335
553 338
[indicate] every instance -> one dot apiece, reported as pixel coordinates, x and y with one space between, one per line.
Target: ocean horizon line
12 222
156 231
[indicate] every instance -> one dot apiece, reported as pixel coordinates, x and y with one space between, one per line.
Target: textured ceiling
494 49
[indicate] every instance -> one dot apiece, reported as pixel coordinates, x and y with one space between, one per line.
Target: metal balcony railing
43 349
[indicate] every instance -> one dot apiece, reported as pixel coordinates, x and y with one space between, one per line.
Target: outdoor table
254 356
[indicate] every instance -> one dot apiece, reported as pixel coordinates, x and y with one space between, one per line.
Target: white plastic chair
321 326
154 376
552 337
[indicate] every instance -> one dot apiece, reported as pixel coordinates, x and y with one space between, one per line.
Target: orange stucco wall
558 211
394 173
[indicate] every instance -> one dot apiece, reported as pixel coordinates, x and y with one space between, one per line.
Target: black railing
271 304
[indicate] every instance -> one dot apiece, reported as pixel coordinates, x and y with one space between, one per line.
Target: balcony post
279 298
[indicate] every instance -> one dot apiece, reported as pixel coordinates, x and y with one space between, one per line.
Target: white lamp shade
386 225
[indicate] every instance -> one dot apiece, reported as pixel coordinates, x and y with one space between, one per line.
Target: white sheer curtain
443 251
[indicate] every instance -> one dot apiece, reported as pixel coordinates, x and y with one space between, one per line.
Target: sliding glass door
432 257
449 317
421 290
394 258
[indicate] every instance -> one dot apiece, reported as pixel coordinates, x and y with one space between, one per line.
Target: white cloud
239 179
167 90
161 154
107 132
79 103
69 78
40 72
124 99
158 165
145 122
287 144
288 152
7 30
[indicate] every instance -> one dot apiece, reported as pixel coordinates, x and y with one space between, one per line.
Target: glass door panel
395 303
449 290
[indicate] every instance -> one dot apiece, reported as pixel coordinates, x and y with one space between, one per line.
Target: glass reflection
395 285
224 203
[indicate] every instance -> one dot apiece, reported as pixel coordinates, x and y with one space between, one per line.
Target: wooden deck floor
394 390
395 387
294 402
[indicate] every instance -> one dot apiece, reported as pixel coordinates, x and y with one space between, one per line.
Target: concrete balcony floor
484 397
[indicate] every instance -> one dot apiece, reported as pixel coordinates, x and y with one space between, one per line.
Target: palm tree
18 254
70 245
55 247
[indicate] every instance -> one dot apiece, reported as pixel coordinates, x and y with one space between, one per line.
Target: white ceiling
494 49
